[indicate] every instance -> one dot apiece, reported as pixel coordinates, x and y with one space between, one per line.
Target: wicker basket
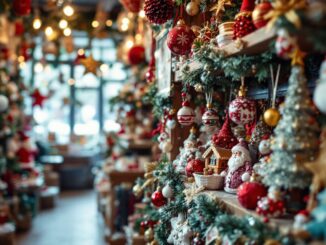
209 182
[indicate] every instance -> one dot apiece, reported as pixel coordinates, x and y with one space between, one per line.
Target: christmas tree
296 137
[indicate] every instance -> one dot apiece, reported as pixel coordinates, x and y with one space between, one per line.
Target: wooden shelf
232 203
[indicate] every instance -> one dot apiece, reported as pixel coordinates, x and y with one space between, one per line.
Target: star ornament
220 6
297 57
38 98
91 65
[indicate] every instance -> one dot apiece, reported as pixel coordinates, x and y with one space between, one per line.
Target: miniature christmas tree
296 136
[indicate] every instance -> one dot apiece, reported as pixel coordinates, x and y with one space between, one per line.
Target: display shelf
232 203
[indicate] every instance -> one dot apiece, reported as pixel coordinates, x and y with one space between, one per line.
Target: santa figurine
239 167
26 153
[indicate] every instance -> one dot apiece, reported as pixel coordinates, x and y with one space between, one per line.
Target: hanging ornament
320 91
210 116
285 44
80 56
180 38
132 5
192 8
38 98
265 146
243 21
185 115
272 115
249 193
158 199
242 110
19 28
91 65
258 15
225 137
4 103
167 191
136 55
22 7
170 122
158 11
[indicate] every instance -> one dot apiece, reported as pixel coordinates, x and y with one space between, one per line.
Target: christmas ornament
185 115
260 131
4 103
210 116
265 146
192 8
38 98
132 5
170 122
22 7
198 241
196 165
320 91
243 21
242 110
91 65
271 206
149 234
180 38
272 115
258 15
285 44
167 191
19 28
136 55
219 7
239 167
158 199
158 11
225 137
249 193
300 220
80 56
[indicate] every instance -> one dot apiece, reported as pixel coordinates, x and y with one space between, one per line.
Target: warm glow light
109 23
125 21
142 14
104 68
22 65
68 10
139 38
38 68
48 31
81 51
124 27
21 59
67 32
63 24
71 81
129 44
37 23
95 24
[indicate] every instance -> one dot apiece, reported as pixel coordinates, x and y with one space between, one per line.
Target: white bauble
264 147
170 124
186 115
167 191
167 146
320 98
4 102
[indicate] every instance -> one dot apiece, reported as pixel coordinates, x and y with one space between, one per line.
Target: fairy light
129 44
81 52
67 32
95 24
48 31
68 10
142 14
37 23
63 24
109 23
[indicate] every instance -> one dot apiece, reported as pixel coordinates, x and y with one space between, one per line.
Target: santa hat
241 146
304 213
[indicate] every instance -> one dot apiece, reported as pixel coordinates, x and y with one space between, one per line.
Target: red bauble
180 39
158 11
22 7
249 193
242 110
259 12
136 55
243 25
194 166
186 115
270 208
158 199
131 5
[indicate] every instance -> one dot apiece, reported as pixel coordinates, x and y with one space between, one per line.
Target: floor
74 221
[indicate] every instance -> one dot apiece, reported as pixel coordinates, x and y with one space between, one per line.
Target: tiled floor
74 221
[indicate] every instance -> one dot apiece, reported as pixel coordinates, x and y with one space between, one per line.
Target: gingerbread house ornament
216 158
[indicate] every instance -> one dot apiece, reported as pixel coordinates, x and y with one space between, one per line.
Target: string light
129 44
37 23
95 24
81 52
63 24
68 10
21 59
67 32
109 23
142 14
48 31
104 68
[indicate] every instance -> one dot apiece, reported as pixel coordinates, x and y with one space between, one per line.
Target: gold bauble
192 8
149 234
271 117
